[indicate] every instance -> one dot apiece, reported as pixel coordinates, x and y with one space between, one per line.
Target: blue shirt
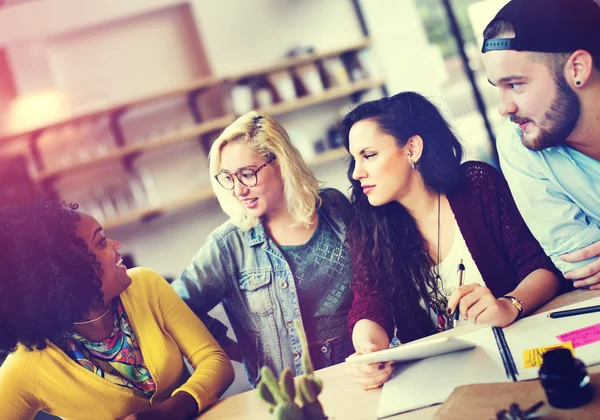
557 191
247 271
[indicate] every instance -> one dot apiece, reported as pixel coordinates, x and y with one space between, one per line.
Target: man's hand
478 305
588 275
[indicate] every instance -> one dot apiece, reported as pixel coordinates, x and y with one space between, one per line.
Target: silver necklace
437 267
446 292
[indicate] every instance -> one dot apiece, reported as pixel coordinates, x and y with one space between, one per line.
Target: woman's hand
180 406
478 305
147 415
373 375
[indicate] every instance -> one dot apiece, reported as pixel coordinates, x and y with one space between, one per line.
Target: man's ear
579 68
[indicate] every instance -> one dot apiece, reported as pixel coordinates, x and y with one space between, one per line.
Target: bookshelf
124 150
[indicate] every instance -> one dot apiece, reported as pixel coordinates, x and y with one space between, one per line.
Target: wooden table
344 400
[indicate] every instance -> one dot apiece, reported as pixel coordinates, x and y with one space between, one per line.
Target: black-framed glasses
246 176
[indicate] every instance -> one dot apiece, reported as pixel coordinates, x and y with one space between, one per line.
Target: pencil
505 354
461 270
572 312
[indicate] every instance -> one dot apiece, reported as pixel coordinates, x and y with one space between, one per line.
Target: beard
559 121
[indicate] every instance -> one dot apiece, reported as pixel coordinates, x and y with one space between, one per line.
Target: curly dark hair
48 277
387 247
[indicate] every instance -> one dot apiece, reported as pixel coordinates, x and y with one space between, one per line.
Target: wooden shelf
217 124
204 82
327 95
295 61
201 83
155 211
158 142
207 194
328 157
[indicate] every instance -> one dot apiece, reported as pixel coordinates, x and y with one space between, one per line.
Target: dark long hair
388 250
48 277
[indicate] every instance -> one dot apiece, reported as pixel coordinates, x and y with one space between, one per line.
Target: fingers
593 280
476 310
586 275
364 370
459 294
467 308
585 271
371 376
583 253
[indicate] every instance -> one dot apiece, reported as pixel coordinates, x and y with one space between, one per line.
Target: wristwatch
516 303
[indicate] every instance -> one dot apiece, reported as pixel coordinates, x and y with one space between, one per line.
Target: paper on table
430 381
414 351
582 336
535 357
540 331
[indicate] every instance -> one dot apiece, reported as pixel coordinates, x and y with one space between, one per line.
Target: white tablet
414 351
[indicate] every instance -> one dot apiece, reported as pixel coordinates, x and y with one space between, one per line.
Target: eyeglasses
246 176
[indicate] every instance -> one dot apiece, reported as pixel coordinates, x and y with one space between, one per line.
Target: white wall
47 18
127 59
402 47
247 34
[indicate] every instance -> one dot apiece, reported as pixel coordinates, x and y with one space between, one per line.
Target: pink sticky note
582 336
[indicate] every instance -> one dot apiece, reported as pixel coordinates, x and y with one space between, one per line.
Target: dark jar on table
565 380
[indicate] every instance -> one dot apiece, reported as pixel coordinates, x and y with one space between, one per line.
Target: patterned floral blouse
117 359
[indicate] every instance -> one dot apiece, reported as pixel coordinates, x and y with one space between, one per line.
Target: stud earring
578 83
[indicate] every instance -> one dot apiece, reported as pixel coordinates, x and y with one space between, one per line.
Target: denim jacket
247 272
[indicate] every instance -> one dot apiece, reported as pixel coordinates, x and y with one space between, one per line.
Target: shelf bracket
115 126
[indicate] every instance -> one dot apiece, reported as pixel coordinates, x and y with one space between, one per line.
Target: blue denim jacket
248 273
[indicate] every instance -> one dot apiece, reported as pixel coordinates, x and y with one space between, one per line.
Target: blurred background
114 104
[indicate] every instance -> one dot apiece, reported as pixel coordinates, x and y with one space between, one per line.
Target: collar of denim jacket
256 235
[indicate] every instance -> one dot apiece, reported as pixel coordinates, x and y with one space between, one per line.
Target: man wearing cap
544 58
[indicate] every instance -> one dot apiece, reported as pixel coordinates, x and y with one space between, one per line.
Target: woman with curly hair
89 339
281 262
419 213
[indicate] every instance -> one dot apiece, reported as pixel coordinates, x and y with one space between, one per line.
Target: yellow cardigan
48 380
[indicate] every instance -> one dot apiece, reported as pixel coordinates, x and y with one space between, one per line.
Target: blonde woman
280 258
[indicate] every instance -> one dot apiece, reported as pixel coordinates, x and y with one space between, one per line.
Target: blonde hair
269 140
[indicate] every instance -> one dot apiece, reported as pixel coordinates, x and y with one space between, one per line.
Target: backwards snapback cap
550 26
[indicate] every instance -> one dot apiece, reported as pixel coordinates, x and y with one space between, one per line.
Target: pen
578 311
461 270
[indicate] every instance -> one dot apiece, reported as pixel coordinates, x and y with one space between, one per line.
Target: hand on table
588 275
370 376
179 406
147 415
479 306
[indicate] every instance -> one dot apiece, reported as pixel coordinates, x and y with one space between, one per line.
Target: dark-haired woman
89 339
419 212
